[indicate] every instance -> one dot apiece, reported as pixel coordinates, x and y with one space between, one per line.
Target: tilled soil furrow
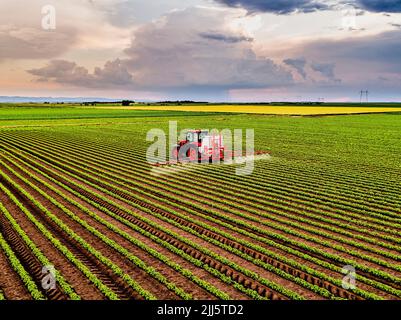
236 276
286 268
297 273
28 259
117 285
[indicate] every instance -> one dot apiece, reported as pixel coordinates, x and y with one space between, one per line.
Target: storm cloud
277 6
175 52
112 75
225 38
33 43
298 64
305 6
381 5
371 53
326 69
212 47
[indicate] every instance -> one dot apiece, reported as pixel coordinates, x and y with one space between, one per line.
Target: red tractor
199 146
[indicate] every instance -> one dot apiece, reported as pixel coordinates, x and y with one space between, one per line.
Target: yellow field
279 110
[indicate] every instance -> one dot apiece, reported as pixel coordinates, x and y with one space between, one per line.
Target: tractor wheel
188 153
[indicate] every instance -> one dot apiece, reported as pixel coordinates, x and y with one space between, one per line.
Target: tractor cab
196 136
199 146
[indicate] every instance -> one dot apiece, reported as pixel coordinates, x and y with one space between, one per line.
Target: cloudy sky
215 50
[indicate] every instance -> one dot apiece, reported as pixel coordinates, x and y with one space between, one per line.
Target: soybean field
84 216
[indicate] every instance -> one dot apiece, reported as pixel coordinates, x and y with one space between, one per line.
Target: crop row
20 270
219 194
122 250
276 236
261 176
340 189
251 218
340 214
376 284
335 167
70 256
310 171
32 246
318 232
232 186
155 253
200 248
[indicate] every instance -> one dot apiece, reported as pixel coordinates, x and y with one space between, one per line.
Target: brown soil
10 283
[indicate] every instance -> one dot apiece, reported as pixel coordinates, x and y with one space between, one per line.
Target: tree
126 103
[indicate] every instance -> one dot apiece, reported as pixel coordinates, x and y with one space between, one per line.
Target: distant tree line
126 103
94 103
180 102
